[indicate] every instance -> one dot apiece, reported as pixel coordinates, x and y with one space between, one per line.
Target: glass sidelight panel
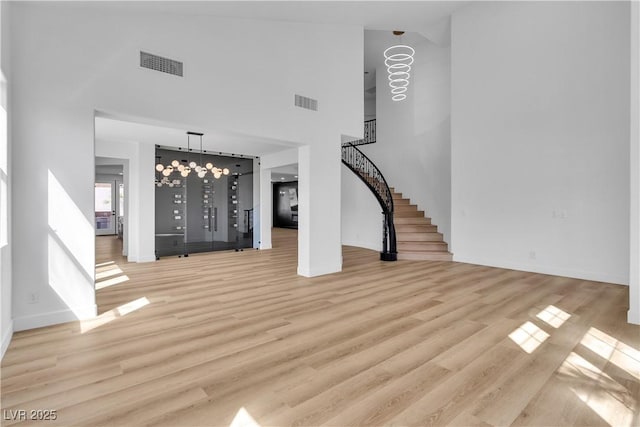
211 210
170 216
200 193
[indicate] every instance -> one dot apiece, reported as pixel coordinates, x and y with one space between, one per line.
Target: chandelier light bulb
225 171
185 169
398 60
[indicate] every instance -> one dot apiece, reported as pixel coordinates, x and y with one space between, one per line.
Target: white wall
413 148
361 213
240 76
6 322
634 258
540 137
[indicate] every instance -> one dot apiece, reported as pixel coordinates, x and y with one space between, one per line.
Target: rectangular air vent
304 102
158 63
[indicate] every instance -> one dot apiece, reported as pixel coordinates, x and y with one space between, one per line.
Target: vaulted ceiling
421 20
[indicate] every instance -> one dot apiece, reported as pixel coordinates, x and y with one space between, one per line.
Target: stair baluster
367 171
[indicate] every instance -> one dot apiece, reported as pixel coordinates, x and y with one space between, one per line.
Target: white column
266 213
131 152
256 203
319 235
147 201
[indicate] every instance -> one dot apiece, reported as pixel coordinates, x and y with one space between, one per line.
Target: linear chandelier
177 166
398 59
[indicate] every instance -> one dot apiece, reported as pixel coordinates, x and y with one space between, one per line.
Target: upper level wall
540 137
71 59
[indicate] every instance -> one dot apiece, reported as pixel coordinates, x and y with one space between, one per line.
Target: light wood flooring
237 336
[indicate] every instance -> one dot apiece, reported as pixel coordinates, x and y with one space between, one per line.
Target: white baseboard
23 323
319 271
542 269
374 246
633 317
6 339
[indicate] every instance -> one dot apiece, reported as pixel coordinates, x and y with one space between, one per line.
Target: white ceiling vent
304 102
158 63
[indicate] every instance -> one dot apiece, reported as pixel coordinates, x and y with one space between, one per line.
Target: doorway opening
109 199
284 182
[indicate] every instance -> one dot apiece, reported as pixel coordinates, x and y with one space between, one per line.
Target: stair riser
405 208
418 237
422 246
411 221
436 256
413 228
408 214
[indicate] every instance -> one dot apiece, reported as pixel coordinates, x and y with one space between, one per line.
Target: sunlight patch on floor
111 315
553 316
243 419
528 336
620 354
107 273
604 395
102 264
132 306
113 281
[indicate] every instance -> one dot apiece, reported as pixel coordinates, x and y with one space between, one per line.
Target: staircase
407 233
416 237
